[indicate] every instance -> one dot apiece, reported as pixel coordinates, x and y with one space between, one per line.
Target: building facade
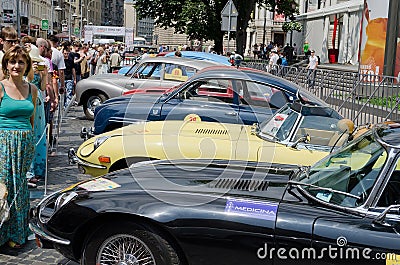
264 27
62 16
332 28
112 13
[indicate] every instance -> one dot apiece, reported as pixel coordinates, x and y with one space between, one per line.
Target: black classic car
342 210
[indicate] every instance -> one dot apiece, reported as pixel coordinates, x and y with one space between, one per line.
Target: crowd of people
36 74
283 56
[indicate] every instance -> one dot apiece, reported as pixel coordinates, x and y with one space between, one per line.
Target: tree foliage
201 19
292 25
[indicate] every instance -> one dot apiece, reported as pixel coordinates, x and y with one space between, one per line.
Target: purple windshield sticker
262 210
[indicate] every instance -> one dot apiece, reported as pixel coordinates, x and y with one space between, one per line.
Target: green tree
291 26
201 19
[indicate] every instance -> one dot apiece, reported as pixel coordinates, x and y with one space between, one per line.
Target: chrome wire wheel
124 249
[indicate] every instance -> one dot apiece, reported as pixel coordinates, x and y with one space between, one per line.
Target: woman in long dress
17 107
38 77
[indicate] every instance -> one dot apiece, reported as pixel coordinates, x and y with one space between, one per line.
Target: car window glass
132 69
346 178
280 125
148 71
178 72
256 94
391 193
214 90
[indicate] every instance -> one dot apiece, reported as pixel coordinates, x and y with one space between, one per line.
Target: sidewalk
60 175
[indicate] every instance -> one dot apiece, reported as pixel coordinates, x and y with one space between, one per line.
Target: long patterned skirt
38 166
16 153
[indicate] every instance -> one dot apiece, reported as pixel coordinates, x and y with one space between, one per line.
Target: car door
373 237
255 106
206 99
147 74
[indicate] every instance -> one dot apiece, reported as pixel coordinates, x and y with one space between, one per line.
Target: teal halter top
15 114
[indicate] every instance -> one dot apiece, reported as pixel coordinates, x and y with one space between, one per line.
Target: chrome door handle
231 113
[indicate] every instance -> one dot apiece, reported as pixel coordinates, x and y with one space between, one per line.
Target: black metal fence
363 98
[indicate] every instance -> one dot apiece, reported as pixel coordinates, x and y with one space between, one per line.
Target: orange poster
373 38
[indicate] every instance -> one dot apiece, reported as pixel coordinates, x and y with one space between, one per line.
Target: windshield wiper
323 188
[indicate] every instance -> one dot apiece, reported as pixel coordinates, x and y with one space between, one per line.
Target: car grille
211 131
240 184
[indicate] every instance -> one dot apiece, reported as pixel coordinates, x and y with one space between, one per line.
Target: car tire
122 241
91 103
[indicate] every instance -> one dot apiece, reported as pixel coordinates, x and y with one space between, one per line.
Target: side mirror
254 128
381 218
304 139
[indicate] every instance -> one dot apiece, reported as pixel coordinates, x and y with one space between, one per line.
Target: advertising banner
91 31
373 36
129 37
108 31
88 34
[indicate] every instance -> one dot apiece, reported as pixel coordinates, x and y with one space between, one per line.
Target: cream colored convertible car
297 134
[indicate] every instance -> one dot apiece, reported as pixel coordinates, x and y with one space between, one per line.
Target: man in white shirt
312 67
273 61
58 59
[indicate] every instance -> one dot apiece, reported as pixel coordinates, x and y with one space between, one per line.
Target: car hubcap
124 250
93 103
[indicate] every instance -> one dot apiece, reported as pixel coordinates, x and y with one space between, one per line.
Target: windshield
350 173
280 125
324 126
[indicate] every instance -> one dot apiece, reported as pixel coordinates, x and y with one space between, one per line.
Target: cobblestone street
60 175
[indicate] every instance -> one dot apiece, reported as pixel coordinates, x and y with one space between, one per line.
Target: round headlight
99 141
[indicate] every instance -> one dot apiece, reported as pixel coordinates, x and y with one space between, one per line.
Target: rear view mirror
278 100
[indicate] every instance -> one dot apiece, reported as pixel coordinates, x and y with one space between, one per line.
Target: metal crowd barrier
363 98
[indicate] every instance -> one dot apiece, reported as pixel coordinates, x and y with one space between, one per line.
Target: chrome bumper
47 235
73 159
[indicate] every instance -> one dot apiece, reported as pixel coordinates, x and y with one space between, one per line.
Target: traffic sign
229 9
45 24
229 17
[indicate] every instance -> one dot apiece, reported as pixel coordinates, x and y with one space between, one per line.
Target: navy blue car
222 94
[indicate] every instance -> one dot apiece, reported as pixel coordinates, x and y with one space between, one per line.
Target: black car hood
206 178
